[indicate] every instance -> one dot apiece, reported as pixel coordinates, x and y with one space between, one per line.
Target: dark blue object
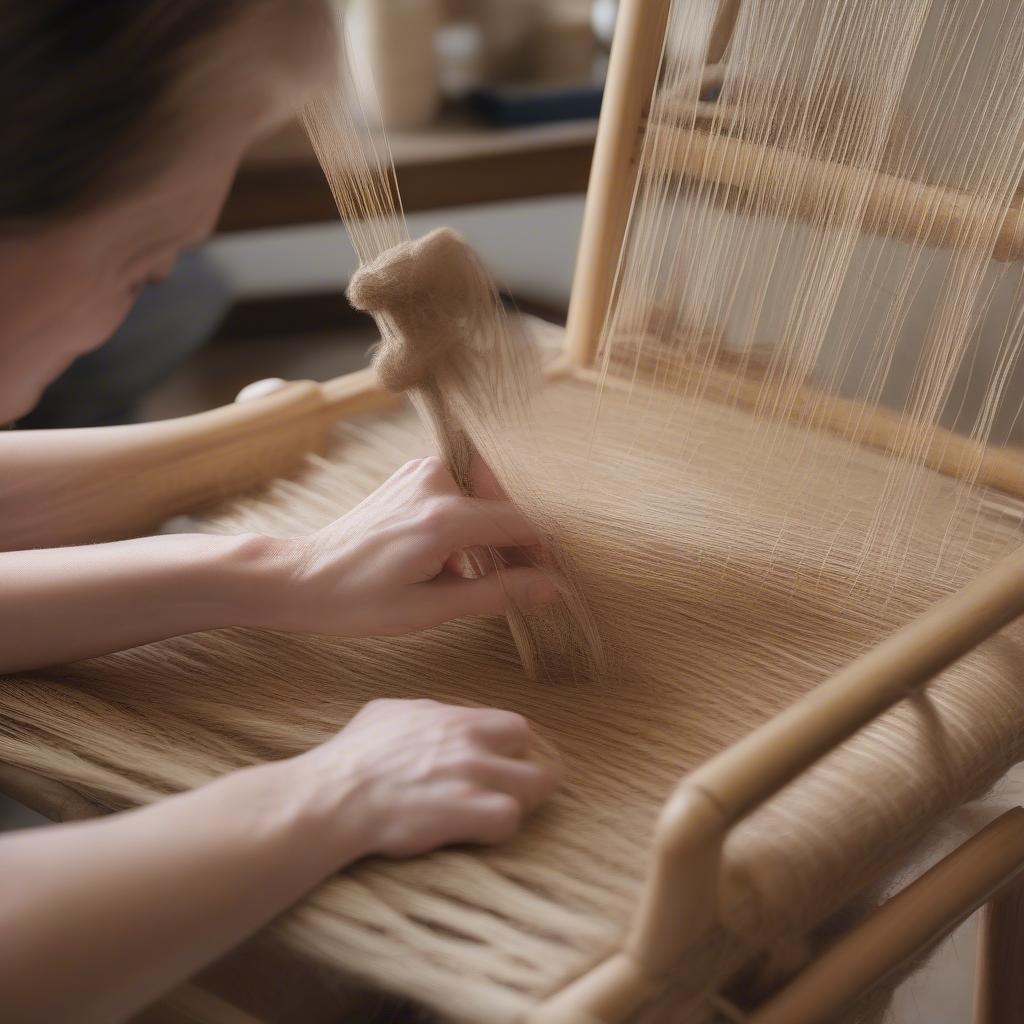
169 322
512 106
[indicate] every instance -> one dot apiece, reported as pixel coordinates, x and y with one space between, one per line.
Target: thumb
493 594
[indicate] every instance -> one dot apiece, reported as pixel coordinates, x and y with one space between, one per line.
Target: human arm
97 919
75 486
387 567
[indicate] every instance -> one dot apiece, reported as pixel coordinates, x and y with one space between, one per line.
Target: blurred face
66 286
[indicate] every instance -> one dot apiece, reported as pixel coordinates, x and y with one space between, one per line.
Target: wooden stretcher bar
999 989
108 483
680 901
979 872
721 30
51 799
779 181
944 451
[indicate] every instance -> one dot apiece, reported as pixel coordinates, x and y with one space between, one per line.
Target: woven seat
485 935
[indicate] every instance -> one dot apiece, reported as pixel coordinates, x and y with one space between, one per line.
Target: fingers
446 774
428 476
466 522
491 817
494 814
481 522
449 597
527 782
502 732
502 741
457 521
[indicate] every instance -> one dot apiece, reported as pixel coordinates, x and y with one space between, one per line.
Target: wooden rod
756 767
941 450
679 902
190 1004
54 800
721 792
632 75
780 181
104 483
905 927
999 988
722 30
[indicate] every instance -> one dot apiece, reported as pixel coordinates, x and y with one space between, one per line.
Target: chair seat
714 618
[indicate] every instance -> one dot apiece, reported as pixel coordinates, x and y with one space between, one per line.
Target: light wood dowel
191 1004
780 181
679 902
53 800
722 30
908 925
999 989
105 483
941 450
632 73
759 765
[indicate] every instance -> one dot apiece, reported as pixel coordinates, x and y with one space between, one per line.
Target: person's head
124 124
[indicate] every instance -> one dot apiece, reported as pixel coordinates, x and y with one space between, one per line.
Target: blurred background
490 110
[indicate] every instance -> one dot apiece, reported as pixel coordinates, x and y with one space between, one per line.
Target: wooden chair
119 481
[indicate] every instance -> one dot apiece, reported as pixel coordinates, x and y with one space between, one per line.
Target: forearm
57 483
99 919
65 604
102 483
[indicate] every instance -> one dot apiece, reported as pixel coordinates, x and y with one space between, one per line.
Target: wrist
253 572
326 803
283 811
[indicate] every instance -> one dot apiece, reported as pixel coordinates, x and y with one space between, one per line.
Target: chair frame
120 481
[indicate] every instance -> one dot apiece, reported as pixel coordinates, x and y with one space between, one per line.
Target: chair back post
632 74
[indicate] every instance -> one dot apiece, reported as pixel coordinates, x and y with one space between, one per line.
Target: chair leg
999 991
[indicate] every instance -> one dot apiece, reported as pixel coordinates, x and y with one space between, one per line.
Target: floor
939 994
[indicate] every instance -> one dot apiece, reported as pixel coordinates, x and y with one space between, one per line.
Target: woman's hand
405 777
392 564
108 914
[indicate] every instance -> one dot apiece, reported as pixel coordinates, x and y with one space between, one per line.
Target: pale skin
98 919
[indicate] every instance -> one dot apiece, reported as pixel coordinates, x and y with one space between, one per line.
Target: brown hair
82 86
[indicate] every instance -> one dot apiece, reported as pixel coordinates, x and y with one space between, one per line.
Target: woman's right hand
388 566
406 777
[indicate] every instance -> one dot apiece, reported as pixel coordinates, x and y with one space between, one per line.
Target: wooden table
456 162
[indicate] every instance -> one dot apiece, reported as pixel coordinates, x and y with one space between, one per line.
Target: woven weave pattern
482 935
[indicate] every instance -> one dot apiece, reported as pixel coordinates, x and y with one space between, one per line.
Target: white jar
391 45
